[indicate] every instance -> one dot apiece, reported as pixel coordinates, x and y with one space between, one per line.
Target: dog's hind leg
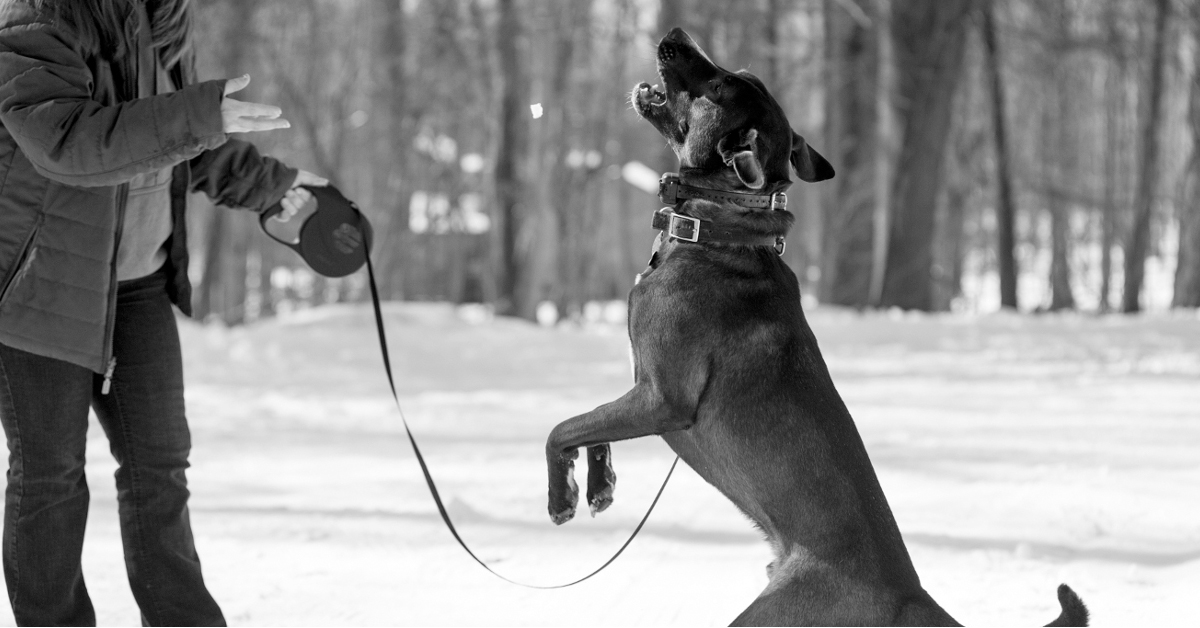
640 412
601 478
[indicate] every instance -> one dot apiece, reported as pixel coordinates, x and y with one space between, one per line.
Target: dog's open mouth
646 95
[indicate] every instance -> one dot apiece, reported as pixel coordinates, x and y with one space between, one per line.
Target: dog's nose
677 34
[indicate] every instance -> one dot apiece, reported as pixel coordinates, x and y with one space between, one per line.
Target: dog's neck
726 180
760 221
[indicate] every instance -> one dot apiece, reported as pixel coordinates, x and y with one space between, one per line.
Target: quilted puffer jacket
76 129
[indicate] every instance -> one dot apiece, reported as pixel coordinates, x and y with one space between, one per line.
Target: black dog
728 372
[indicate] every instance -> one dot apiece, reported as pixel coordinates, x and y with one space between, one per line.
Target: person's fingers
291 204
250 125
304 177
244 117
251 109
297 197
237 84
293 201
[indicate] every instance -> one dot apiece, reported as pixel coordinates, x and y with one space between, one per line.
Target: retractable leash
334 238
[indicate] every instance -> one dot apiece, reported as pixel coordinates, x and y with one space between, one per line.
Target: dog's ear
737 151
809 164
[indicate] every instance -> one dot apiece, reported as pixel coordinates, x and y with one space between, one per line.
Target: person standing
105 131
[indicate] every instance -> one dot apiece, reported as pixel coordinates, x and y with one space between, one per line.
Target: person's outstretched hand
246 117
296 197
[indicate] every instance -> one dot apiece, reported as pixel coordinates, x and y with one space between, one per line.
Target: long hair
100 26
171 29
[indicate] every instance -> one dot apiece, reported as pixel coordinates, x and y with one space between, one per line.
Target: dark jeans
44 406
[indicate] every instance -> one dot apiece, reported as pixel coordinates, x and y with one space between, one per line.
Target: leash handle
433 491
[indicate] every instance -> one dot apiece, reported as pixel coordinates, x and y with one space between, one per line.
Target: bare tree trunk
1006 207
1115 155
1139 241
1109 209
394 248
950 245
510 156
833 80
851 107
1058 154
1061 295
1187 268
885 143
964 178
930 36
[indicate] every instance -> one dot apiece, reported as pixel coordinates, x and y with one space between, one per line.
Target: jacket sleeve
46 104
236 175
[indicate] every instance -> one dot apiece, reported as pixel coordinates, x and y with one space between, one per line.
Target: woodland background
1029 154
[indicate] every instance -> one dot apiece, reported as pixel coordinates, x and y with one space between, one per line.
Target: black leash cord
437 499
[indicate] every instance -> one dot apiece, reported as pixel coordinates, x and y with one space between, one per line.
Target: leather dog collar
691 229
671 191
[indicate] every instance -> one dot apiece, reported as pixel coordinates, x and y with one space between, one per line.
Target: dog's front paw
602 480
560 518
600 501
563 500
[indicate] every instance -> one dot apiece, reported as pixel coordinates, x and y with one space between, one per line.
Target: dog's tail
1074 613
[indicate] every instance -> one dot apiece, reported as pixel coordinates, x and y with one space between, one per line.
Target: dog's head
722 123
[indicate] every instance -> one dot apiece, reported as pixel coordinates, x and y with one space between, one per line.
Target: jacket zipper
112 366
108 357
21 265
130 85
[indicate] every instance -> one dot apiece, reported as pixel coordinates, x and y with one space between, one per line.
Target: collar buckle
684 228
668 188
779 201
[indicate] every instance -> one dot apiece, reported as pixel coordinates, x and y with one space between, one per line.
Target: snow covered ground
1017 452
